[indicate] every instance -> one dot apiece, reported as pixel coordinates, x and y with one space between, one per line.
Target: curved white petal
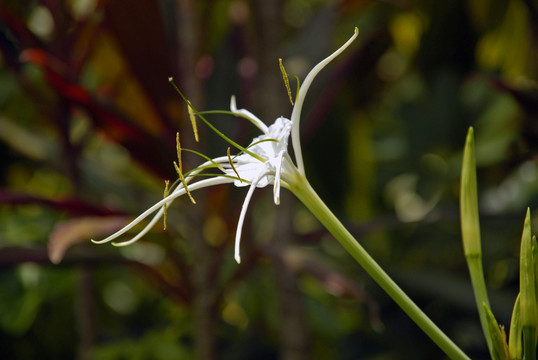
167 200
276 187
144 231
239 229
296 113
253 118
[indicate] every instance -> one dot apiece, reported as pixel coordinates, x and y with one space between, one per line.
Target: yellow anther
286 80
179 169
192 116
232 165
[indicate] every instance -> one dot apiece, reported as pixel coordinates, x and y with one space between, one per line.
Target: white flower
276 168
265 161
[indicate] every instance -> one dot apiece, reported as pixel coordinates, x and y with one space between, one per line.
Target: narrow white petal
250 116
276 187
239 230
144 231
296 113
167 200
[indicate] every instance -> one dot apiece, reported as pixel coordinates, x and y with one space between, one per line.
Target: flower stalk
470 230
306 194
528 303
524 321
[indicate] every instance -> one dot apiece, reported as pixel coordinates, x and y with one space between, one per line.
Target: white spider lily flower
277 168
264 162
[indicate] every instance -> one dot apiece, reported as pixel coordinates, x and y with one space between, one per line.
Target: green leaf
470 225
498 336
17 315
527 288
470 232
514 340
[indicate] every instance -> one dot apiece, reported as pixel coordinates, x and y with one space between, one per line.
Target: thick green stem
474 263
304 191
470 232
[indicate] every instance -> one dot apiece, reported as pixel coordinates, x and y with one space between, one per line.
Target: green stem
306 194
470 232
474 263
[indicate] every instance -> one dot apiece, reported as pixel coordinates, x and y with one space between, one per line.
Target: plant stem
474 263
470 233
304 191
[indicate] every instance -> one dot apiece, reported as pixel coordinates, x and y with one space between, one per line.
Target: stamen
217 131
179 169
190 109
286 79
192 116
166 188
232 165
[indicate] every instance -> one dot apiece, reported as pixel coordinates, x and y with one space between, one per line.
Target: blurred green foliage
87 130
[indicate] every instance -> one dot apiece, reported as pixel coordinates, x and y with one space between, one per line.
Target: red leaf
74 231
